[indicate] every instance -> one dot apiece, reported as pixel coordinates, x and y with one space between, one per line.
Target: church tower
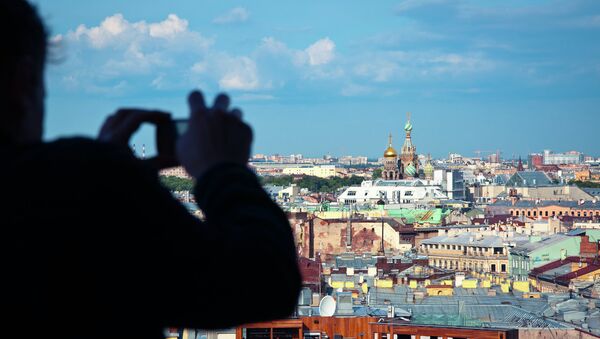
390 163
409 162
428 169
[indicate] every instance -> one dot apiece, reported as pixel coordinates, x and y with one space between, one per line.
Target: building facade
323 171
481 251
572 157
409 193
549 209
452 183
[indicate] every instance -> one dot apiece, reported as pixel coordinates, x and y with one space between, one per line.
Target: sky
336 77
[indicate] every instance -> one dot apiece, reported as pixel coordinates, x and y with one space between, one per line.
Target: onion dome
410 170
428 169
390 152
408 127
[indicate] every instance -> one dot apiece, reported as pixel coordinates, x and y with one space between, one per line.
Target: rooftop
472 239
529 179
543 203
528 247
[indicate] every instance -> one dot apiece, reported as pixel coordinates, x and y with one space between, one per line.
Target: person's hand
215 135
120 127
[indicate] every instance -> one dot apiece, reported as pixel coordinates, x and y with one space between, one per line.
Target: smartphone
167 135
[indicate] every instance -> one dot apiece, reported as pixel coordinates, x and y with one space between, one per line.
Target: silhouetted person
92 245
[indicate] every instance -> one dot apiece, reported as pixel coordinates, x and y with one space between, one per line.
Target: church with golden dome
405 165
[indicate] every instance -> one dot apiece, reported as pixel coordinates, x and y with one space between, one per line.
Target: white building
452 183
178 172
323 171
572 157
408 193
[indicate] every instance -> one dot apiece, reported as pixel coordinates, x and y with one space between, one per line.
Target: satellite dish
327 306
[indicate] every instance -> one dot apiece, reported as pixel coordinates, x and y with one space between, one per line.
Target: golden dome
390 152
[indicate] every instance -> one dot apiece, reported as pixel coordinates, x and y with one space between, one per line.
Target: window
493 268
351 193
503 268
408 194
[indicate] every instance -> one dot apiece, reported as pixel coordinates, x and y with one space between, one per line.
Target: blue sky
336 77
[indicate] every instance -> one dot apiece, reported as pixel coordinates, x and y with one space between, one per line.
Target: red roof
592 264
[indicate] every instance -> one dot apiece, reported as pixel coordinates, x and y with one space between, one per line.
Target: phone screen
143 142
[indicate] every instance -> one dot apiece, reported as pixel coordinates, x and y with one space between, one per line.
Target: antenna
327 306
408 116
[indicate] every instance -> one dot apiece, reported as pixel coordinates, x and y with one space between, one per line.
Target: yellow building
440 290
483 253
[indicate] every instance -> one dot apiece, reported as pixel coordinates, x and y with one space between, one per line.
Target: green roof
420 216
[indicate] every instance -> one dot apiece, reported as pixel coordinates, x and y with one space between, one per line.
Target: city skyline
516 76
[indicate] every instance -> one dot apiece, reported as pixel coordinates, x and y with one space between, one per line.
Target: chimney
349 234
311 238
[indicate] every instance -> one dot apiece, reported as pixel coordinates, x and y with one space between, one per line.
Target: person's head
24 48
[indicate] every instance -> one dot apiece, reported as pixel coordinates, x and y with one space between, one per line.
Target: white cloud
321 52
231 73
242 75
118 49
400 65
168 28
115 31
235 15
378 70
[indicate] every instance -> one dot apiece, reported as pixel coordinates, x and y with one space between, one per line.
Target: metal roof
529 179
470 239
527 248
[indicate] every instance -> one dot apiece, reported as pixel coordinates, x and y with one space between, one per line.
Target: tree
585 184
312 183
176 183
377 173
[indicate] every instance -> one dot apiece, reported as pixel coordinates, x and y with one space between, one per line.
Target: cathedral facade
406 164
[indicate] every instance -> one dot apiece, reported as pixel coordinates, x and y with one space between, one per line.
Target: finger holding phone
215 135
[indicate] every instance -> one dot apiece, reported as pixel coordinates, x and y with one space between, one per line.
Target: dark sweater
93 246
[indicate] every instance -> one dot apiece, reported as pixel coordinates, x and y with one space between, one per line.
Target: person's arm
239 265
